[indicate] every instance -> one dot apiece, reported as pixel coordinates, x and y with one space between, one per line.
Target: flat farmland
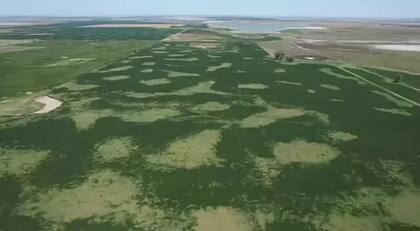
175 137
181 137
57 61
36 57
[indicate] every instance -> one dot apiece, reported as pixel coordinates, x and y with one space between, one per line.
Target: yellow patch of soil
349 222
330 87
253 86
123 68
19 162
117 78
341 136
211 107
221 66
114 149
105 196
198 150
155 82
405 208
271 116
290 83
300 151
222 219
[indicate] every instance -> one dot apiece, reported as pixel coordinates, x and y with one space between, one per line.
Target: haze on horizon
286 8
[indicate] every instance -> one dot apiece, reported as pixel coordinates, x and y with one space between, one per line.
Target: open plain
191 128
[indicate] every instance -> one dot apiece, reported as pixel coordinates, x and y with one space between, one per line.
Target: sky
287 8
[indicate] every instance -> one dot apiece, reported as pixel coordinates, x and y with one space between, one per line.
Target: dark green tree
279 56
398 78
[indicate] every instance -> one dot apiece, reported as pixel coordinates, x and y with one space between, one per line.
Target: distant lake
241 26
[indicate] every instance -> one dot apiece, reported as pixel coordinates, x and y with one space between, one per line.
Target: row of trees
281 57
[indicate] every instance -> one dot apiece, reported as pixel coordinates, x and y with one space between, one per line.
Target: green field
67 50
76 31
34 70
179 138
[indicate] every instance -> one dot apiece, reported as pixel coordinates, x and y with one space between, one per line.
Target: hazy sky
326 8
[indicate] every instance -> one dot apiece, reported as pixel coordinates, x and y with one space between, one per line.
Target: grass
406 78
29 70
254 168
74 31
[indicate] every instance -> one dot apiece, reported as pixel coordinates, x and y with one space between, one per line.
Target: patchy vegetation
192 152
229 141
115 149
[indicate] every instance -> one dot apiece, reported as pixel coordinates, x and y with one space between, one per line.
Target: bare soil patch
123 68
203 87
337 100
222 219
300 151
50 104
116 78
18 106
271 116
221 66
141 57
337 136
211 107
148 116
405 208
87 118
159 52
192 152
192 59
114 149
19 162
297 151
347 222
173 74
289 83
105 196
253 86
330 87
155 82
177 55
148 70
149 63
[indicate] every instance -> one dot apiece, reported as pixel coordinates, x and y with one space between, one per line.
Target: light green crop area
58 62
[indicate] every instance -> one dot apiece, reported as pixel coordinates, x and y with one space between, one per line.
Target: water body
242 26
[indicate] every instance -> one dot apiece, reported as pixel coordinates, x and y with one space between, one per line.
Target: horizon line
205 15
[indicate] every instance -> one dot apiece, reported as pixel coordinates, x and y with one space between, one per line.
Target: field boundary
168 39
380 87
267 51
386 78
